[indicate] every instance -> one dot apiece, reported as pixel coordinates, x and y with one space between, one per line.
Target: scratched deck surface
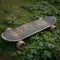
28 29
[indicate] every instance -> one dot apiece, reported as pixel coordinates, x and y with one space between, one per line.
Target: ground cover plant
40 46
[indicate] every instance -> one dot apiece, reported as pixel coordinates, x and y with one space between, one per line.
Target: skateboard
28 29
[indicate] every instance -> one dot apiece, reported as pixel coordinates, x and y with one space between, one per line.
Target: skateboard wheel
20 44
9 29
52 28
40 18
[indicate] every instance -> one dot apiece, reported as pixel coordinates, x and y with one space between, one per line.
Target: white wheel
9 29
40 18
52 28
20 44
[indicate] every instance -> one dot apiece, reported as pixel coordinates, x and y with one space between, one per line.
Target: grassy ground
43 45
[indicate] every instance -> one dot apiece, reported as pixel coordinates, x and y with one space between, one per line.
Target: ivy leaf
46 54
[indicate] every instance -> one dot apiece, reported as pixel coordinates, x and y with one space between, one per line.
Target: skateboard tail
51 20
7 39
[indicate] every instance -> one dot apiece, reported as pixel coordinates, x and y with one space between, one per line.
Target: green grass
43 45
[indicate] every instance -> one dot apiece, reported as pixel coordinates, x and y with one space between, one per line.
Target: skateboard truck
52 27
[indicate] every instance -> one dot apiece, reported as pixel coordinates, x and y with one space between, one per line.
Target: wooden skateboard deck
28 29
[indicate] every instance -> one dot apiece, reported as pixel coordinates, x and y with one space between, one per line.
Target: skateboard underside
28 29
